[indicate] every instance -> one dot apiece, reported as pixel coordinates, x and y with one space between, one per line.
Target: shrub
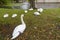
4 1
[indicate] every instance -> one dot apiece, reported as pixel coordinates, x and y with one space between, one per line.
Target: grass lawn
43 27
11 5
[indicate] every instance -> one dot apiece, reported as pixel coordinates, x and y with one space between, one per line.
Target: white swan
25 11
5 15
31 9
14 15
19 29
40 9
36 13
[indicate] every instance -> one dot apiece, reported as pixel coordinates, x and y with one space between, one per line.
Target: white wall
58 0
48 0
40 0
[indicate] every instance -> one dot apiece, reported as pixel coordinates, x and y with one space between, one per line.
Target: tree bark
32 3
17 1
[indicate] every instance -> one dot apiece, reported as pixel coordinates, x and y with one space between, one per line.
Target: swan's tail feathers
12 38
15 35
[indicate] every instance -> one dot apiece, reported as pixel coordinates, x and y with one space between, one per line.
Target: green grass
10 5
46 26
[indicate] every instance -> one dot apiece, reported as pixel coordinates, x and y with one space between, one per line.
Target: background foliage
5 1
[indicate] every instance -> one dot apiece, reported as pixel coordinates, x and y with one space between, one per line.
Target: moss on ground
43 27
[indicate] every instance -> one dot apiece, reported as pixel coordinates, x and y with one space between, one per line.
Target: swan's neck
22 20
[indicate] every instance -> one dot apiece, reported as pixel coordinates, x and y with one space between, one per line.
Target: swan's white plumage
15 35
25 11
14 15
36 13
5 15
40 9
19 29
31 9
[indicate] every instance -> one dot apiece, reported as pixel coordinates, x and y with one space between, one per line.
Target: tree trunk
32 3
17 1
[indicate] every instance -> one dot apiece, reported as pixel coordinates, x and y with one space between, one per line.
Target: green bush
4 2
